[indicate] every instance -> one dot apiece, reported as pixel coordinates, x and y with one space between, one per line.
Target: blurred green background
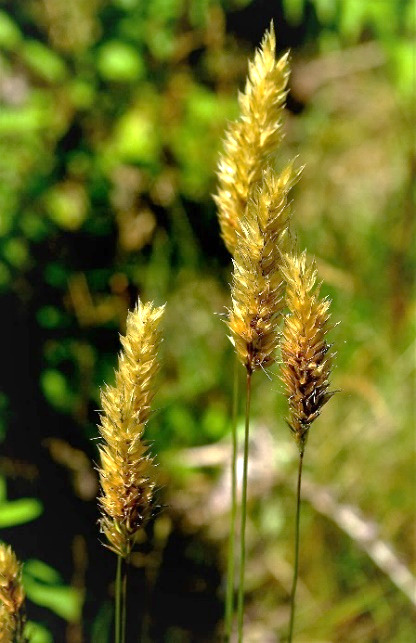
111 119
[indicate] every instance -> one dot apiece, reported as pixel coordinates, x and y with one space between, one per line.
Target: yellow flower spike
306 361
258 288
252 140
127 472
12 596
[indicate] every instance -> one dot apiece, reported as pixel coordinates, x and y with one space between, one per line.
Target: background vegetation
111 118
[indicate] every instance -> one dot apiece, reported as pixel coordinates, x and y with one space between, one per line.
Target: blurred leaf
16 252
51 317
10 34
56 389
293 10
67 205
4 275
43 61
119 61
3 489
325 10
351 19
56 274
403 56
215 422
24 120
18 512
42 586
101 628
135 136
40 571
36 633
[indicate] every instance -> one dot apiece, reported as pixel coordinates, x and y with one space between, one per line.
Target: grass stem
229 598
240 607
296 565
117 601
124 602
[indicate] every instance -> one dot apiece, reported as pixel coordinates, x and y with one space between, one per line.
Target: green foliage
17 512
37 633
43 585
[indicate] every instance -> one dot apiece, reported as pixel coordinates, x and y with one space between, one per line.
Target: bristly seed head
305 353
12 596
127 472
251 141
257 288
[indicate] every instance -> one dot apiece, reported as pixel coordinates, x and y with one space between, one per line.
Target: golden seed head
257 288
253 138
12 595
127 472
306 363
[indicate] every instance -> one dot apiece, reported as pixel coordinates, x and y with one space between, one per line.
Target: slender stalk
296 565
124 601
229 598
240 607
118 601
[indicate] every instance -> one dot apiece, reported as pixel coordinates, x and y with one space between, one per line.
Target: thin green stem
117 601
124 601
296 565
240 607
229 597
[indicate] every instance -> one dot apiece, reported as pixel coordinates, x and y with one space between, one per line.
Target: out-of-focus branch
262 478
308 77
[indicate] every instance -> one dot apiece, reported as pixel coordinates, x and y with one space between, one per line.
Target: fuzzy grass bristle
257 288
12 596
251 140
306 361
127 473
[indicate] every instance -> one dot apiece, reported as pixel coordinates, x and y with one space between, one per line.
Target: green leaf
66 602
101 628
67 205
18 512
43 61
16 252
42 572
10 35
3 490
36 633
294 10
56 389
120 62
43 586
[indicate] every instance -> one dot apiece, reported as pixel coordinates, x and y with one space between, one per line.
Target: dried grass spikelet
12 596
127 472
306 362
257 288
253 138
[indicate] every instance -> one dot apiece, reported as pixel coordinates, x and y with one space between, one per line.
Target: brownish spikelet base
306 362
